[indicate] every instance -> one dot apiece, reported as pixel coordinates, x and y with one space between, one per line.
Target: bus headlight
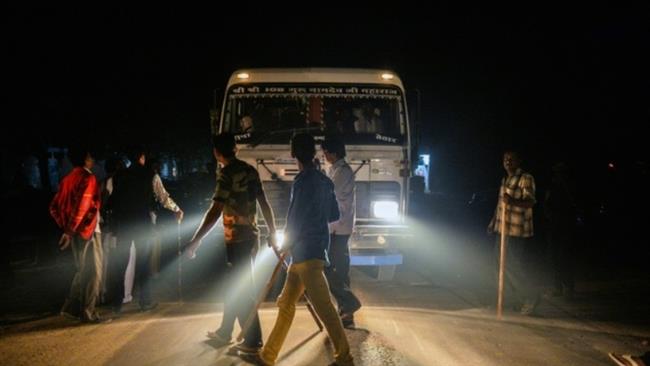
388 210
279 238
381 240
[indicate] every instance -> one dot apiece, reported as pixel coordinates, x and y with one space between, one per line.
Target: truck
263 108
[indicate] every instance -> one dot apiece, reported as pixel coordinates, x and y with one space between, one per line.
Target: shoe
348 320
341 364
623 360
240 348
253 358
148 307
217 339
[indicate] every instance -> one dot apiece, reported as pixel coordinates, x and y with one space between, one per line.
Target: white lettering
242 136
386 138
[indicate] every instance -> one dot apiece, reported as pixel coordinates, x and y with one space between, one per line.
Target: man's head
246 123
303 148
224 147
82 156
113 164
333 148
511 161
154 164
137 155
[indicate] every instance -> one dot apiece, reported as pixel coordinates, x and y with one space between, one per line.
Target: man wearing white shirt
130 201
338 273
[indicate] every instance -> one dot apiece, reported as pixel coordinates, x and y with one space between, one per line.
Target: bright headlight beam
388 210
279 238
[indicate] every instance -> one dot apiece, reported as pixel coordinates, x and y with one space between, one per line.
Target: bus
263 108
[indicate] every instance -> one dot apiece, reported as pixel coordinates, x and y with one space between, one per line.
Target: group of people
128 197
319 223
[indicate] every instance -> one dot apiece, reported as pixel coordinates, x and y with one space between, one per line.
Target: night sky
553 82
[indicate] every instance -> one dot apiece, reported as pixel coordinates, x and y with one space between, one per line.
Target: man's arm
85 207
523 203
491 228
221 195
527 185
207 224
209 220
163 197
343 181
295 217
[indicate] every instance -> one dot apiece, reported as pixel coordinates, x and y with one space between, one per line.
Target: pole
180 264
502 261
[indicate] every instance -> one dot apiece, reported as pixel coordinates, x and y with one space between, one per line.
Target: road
408 321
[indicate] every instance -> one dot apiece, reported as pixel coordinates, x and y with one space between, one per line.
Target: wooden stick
502 261
260 299
180 264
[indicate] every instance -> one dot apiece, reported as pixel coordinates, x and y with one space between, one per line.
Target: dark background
553 82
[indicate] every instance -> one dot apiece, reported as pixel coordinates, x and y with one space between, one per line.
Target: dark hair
514 153
113 164
77 155
334 145
154 164
303 147
135 153
225 144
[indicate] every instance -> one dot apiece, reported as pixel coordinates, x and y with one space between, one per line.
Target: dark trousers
240 301
120 260
84 290
518 280
338 274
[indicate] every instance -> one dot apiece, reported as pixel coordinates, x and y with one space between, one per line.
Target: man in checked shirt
517 195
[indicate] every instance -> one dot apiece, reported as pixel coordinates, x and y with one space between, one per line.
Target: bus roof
316 75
